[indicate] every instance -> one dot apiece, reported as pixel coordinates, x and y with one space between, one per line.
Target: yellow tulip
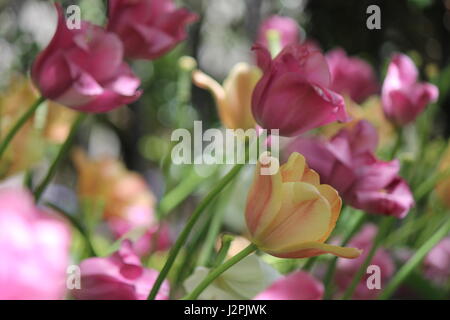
107 181
233 99
290 214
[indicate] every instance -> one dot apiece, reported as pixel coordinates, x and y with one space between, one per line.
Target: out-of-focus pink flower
347 162
287 28
293 95
118 277
346 269
351 75
34 249
148 28
84 69
155 238
296 286
403 97
128 201
437 262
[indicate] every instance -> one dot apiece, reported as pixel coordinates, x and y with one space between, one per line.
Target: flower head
84 69
293 94
290 214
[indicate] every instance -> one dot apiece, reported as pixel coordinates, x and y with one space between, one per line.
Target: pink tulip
34 249
293 95
118 277
295 286
155 238
437 262
346 269
347 162
350 75
403 97
148 28
287 28
84 69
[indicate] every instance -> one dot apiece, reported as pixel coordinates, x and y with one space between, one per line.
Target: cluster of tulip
335 152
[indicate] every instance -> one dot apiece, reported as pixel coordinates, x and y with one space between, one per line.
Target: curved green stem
22 120
413 262
219 270
61 153
188 227
384 227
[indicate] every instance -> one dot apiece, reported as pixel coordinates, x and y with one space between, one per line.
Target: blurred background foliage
223 37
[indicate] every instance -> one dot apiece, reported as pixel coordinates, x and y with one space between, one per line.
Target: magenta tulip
34 249
287 28
84 69
351 76
118 277
403 97
296 286
346 268
148 28
293 95
347 162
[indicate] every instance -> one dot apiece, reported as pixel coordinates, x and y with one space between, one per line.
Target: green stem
22 120
382 231
188 227
223 251
78 225
61 153
332 266
414 261
219 270
398 143
174 197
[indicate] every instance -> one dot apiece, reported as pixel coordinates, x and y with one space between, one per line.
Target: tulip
351 76
437 262
404 98
371 111
244 280
117 277
84 69
128 201
346 269
293 94
148 28
296 286
290 214
34 249
287 28
233 99
347 162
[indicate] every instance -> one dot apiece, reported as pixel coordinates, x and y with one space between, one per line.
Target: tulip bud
148 28
351 76
233 99
84 69
293 94
404 98
287 28
290 214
